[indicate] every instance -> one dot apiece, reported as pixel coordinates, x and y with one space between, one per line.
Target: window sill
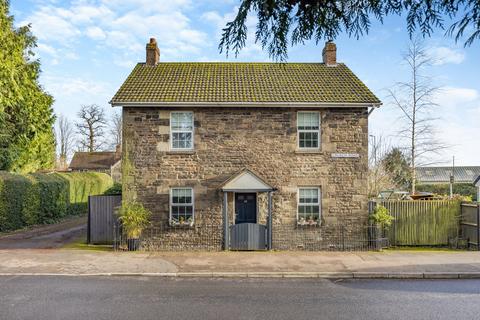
306 224
308 151
182 225
181 152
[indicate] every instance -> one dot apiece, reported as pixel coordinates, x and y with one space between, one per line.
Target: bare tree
91 127
65 140
116 129
415 99
378 177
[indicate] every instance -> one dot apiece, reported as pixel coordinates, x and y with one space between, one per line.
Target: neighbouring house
437 180
253 148
441 175
102 161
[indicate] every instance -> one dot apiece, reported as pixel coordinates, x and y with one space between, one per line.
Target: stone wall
263 140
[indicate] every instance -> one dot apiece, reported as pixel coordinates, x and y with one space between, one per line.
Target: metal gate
248 236
101 218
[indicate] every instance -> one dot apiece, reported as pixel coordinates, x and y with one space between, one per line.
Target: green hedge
82 185
463 189
42 198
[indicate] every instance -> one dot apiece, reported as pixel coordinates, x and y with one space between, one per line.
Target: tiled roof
442 174
94 160
214 82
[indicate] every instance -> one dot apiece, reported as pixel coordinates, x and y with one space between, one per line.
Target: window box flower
309 221
181 222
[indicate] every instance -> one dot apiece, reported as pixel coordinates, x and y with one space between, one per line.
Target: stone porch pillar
226 235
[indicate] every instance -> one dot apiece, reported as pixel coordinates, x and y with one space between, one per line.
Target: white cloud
445 55
95 33
119 24
51 25
148 5
73 86
452 97
251 50
213 17
45 48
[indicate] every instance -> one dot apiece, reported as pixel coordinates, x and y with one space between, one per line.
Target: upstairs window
308 128
309 205
181 130
181 206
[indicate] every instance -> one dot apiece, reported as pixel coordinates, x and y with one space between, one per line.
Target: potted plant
381 220
381 217
310 220
134 218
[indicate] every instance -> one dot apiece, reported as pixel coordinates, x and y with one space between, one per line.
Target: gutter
240 104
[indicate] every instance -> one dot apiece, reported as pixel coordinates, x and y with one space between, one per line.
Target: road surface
72 298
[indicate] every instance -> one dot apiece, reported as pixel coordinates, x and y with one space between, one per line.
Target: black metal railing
209 237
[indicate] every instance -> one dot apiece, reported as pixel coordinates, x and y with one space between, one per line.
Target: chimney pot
329 53
153 53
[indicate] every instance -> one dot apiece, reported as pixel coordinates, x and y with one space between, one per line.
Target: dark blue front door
245 208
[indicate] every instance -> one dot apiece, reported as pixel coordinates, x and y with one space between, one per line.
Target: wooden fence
470 224
423 223
101 218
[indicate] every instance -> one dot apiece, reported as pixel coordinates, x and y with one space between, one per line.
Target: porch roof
246 181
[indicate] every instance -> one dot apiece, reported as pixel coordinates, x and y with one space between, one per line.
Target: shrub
114 190
463 189
42 198
381 216
13 191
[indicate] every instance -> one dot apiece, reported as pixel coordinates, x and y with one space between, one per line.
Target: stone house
232 144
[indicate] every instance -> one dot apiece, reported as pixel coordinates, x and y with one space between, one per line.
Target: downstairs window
181 206
308 211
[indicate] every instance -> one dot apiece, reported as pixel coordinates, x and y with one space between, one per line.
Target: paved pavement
162 298
340 264
47 236
38 251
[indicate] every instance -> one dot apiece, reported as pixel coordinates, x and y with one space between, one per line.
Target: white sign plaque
345 155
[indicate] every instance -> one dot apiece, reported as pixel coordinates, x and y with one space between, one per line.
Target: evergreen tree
281 23
396 164
27 140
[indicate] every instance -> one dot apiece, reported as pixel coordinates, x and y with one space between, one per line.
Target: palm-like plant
134 217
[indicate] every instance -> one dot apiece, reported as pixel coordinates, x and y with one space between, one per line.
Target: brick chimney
330 53
153 53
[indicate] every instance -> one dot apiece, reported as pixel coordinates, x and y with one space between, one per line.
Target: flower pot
133 244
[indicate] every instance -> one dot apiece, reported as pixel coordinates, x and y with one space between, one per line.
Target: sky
87 48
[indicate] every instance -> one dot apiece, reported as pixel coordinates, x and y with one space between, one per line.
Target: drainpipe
373 107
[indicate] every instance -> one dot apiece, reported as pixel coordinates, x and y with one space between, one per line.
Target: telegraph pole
452 178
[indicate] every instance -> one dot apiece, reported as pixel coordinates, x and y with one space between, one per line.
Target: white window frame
172 131
319 130
319 203
171 204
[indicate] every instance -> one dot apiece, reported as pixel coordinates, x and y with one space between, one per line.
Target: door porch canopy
245 181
